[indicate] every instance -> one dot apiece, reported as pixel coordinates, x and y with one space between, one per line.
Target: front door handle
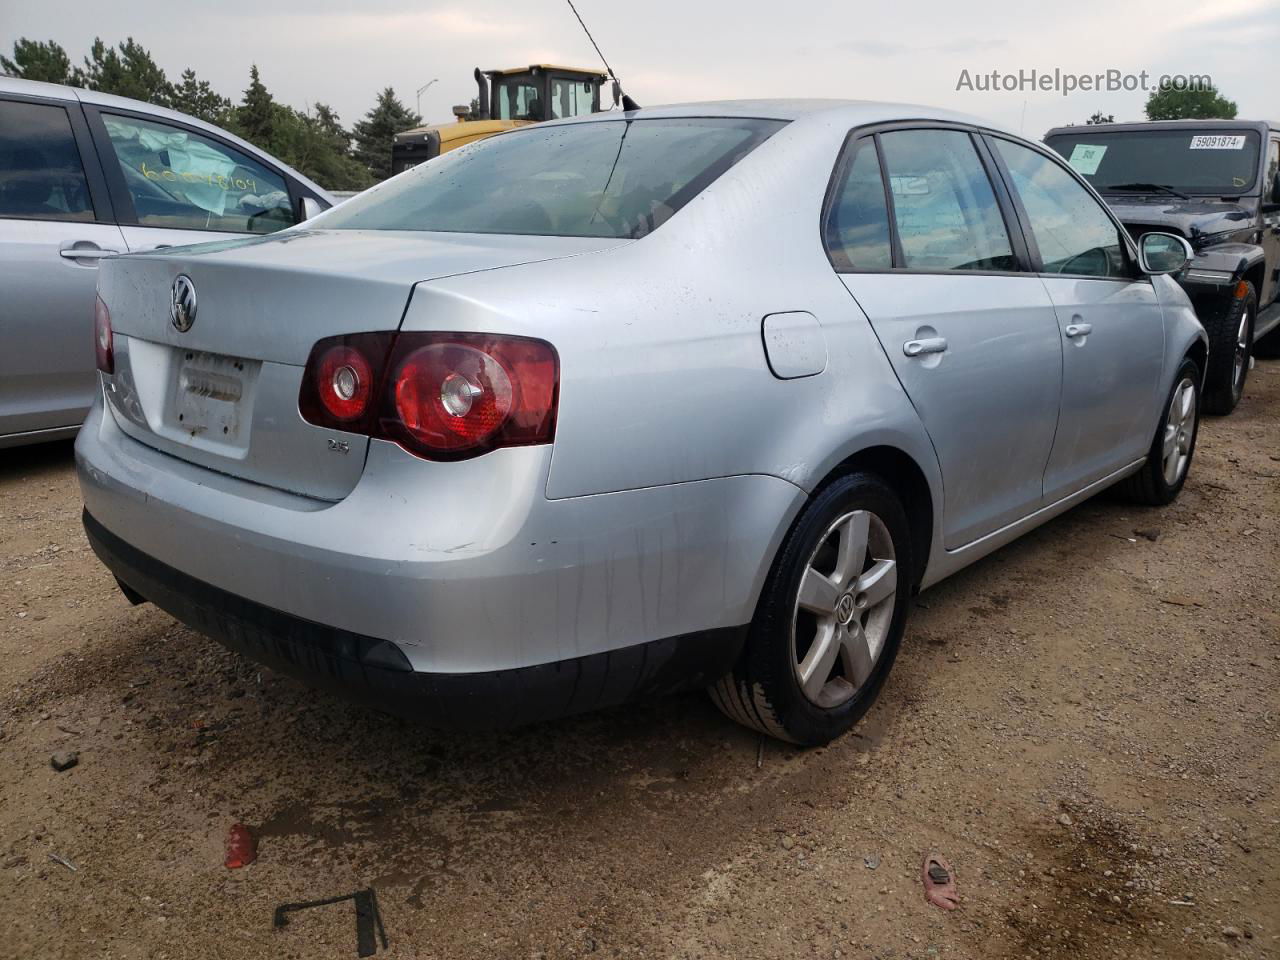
1078 330
86 253
917 348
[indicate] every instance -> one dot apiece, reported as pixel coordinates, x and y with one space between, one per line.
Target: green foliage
35 60
198 99
313 142
126 71
1205 104
374 134
1100 117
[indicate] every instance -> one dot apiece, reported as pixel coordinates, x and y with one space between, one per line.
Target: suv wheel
830 618
1161 478
1230 332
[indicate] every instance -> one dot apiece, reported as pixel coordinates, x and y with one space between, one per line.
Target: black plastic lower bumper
377 672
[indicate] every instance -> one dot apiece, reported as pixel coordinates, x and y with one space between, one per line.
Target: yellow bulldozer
507 99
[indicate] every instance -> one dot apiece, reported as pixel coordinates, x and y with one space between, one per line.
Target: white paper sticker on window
1085 158
1204 142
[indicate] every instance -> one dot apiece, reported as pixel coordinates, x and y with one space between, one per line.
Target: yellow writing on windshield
226 183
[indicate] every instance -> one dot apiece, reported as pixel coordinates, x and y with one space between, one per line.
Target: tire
1229 323
864 626
1152 484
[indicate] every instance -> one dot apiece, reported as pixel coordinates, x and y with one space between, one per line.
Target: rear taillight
103 343
441 396
344 382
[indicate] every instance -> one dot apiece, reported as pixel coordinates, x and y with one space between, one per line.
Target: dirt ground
1087 724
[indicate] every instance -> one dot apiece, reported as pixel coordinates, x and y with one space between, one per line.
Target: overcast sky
669 51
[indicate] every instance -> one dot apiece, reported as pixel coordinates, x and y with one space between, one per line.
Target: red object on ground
939 882
242 849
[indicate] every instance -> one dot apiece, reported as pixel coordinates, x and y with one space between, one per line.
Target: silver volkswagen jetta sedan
687 396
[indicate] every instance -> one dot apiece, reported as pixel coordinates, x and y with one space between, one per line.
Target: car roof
1139 125
852 113
57 91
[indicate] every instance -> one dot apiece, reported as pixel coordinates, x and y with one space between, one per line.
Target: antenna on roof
627 102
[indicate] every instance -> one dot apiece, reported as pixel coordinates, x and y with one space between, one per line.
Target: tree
127 71
374 134
1202 103
255 118
315 145
1100 117
197 98
34 60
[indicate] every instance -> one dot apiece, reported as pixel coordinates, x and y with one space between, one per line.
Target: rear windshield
609 178
1217 162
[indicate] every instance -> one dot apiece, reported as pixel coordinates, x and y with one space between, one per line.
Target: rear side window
612 178
944 206
857 229
181 180
1074 234
41 176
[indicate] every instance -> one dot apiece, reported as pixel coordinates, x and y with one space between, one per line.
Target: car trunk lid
223 393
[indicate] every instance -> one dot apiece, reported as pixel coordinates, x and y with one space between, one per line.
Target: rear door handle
1078 330
916 348
86 253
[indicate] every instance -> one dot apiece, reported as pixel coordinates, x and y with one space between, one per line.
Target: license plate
209 396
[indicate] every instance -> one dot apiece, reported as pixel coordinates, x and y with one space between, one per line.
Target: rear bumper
460 568
376 672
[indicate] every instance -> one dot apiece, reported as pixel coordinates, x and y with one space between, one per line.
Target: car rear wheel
1230 331
1161 478
830 619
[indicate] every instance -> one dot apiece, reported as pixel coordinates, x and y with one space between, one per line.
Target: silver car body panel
47 374
1111 387
990 397
680 459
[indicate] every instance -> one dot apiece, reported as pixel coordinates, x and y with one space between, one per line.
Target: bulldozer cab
542 92
507 99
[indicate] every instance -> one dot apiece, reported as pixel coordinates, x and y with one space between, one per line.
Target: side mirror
309 207
1163 253
1275 190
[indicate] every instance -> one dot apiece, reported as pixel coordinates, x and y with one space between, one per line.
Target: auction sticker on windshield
1085 158
1228 142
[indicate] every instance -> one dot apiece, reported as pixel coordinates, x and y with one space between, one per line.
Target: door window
571 98
944 206
41 176
517 100
857 228
1074 233
181 180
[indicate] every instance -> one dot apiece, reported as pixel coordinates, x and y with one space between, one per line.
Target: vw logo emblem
182 303
845 608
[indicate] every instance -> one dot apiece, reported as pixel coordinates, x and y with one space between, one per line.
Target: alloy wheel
1241 360
1179 431
844 608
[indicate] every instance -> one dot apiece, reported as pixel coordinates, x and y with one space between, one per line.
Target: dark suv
1217 183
